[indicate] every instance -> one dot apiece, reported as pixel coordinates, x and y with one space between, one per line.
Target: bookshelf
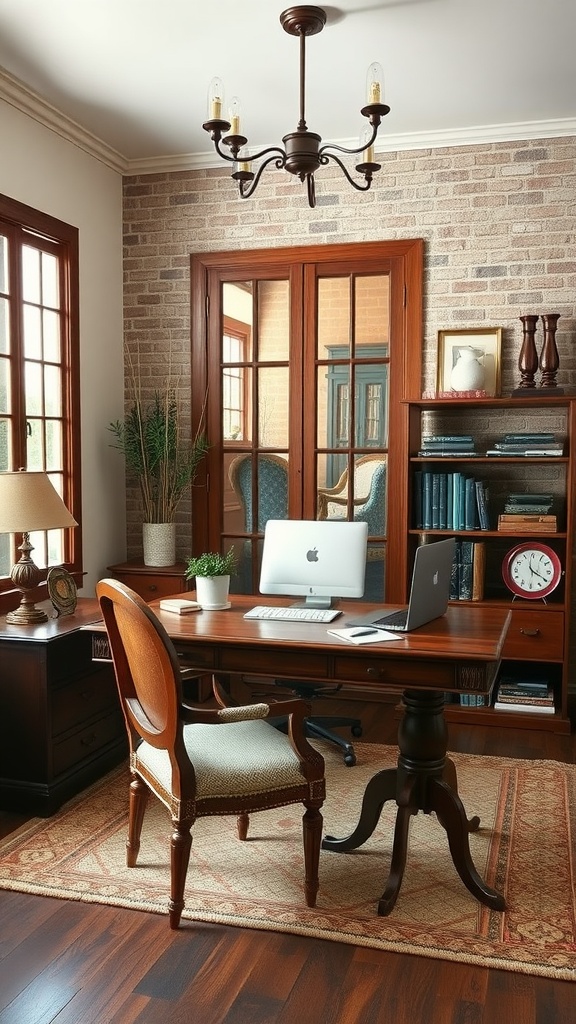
538 638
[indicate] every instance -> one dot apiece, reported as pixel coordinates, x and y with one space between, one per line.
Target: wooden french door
301 353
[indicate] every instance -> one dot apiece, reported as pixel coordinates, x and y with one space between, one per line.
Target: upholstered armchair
177 753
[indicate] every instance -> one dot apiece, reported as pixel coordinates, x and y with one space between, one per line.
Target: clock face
532 570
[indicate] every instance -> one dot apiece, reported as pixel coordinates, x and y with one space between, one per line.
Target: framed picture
469 361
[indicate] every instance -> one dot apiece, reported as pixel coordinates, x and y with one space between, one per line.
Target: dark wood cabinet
61 727
149 581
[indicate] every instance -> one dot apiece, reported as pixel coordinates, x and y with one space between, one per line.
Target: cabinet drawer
537 635
394 672
87 742
153 585
84 699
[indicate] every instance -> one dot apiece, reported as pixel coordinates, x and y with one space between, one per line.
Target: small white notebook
365 635
179 605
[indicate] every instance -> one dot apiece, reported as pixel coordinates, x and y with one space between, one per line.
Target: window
39 369
235 340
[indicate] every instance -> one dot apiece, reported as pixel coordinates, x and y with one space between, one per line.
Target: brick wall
499 221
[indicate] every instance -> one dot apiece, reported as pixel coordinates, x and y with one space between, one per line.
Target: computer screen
314 559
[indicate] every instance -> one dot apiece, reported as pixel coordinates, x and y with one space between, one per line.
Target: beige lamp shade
29 501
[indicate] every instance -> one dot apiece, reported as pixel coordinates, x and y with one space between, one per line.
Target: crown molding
18 95
439 139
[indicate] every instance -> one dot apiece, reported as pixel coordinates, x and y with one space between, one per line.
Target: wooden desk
459 652
61 726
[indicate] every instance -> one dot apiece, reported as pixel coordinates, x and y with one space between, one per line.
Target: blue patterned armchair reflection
272 489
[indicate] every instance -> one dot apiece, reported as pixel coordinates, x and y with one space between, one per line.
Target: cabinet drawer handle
87 741
375 673
152 587
530 632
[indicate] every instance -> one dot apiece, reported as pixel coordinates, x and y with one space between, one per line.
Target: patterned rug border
478 950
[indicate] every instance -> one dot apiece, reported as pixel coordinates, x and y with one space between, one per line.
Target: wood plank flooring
73 963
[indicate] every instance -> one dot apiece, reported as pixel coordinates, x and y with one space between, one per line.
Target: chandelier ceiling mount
303 153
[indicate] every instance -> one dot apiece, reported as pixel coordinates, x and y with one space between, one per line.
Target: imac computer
314 559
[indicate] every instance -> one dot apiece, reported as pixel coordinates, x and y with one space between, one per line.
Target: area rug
524 848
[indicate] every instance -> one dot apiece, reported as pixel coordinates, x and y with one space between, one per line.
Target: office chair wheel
349 760
356 730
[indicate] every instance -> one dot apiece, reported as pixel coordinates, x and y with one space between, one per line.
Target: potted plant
212 571
164 462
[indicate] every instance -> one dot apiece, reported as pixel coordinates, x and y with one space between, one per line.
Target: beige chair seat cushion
240 759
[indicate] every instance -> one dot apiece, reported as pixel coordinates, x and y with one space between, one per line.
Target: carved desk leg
424 780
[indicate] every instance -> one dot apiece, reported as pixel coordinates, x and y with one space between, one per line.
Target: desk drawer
88 742
395 672
152 586
84 699
277 663
535 635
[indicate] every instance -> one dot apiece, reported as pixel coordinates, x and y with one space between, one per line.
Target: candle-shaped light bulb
234 116
215 99
245 164
375 83
368 154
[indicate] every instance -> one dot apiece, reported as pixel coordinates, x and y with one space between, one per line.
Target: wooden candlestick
549 359
528 358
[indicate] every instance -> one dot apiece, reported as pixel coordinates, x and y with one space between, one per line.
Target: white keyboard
266 614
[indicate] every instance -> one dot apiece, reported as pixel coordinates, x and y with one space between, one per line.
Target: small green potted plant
212 571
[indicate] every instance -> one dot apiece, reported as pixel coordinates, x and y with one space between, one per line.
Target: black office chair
273 504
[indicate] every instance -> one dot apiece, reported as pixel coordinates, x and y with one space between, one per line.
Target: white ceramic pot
468 373
212 592
159 541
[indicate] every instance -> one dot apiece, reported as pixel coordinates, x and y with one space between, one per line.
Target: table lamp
29 501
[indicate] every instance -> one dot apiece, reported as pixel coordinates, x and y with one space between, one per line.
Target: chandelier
303 152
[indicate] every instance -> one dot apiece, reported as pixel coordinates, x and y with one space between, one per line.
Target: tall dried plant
156 452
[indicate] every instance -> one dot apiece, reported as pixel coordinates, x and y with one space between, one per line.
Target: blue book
470 517
466 572
426 501
450 501
417 499
435 501
482 504
443 499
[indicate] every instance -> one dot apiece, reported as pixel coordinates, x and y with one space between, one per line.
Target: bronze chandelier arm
350 152
367 174
247 187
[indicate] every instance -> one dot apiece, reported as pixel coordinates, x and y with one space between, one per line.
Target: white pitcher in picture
468 373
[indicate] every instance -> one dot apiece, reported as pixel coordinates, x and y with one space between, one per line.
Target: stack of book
473 700
532 695
468 568
449 501
448 445
526 444
530 513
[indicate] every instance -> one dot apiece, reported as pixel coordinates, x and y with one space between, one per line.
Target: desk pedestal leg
424 780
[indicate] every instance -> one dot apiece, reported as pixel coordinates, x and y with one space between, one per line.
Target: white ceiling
135 73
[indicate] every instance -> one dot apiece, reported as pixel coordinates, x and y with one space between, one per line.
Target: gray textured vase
159 540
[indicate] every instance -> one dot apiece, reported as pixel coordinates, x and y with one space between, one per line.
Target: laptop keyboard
266 614
394 619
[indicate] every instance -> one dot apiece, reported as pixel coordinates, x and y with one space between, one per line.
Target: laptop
429 592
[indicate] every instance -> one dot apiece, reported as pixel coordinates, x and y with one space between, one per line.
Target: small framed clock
532 570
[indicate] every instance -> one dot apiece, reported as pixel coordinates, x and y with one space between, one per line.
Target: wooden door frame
403 260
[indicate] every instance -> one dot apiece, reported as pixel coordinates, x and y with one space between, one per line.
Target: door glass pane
32 332
4 283
51 324
52 396
34 445
372 310
53 445
50 280
237 307
333 314
273 321
33 377
4 326
4 386
273 407
31 274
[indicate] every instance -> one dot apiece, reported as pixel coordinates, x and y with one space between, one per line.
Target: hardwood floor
74 963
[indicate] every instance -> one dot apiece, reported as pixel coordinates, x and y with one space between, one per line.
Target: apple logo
312 555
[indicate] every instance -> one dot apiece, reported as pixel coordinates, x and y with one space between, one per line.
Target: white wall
43 170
